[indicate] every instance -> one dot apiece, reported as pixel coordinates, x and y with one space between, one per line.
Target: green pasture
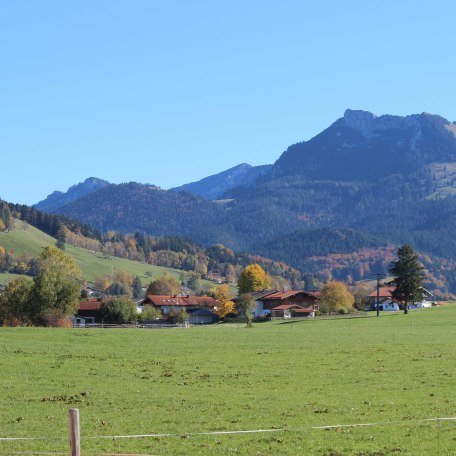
24 239
393 371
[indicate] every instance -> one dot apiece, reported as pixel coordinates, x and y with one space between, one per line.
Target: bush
149 313
343 311
177 316
54 319
118 310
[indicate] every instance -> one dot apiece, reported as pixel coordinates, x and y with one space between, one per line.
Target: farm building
299 300
201 316
292 311
90 309
188 303
260 310
387 303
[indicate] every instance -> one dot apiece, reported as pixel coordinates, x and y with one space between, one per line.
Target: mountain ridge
380 175
214 186
58 198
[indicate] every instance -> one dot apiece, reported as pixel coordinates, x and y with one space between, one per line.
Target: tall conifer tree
409 276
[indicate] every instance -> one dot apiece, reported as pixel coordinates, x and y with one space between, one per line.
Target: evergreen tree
137 287
408 275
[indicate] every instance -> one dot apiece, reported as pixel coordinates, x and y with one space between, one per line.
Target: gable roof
384 292
185 301
304 310
258 295
285 307
90 304
290 293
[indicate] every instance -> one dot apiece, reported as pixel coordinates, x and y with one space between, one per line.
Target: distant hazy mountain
213 187
58 199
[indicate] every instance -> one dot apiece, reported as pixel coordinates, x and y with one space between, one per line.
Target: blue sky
168 92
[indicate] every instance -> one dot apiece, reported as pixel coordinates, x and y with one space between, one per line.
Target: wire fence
75 438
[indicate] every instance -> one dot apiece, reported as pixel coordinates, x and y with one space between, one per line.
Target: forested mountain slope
58 199
389 177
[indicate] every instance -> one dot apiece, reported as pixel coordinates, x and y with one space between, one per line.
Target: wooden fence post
75 443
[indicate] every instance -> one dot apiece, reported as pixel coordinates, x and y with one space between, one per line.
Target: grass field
24 239
6 277
394 371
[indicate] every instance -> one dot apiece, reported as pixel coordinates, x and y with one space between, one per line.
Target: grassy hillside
24 239
6 277
394 371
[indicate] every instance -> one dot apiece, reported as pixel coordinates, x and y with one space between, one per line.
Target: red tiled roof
186 301
306 310
384 292
90 304
288 294
285 307
283 294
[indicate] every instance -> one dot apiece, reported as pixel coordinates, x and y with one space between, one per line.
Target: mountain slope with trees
58 199
378 176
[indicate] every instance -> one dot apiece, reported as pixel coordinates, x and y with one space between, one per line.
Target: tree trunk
406 308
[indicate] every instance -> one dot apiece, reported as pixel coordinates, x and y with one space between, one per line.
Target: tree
253 278
3 259
245 304
137 287
361 294
15 303
57 286
119 289
222 295
118 310
408 275
336 297
230 273
164 285
102 283
60 245
194 282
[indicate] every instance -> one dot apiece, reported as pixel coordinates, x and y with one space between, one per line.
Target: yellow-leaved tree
222 295
335 297
253 278
57 287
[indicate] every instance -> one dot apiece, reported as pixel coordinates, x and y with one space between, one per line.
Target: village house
89 309
285 304
292 304
200 309
387 303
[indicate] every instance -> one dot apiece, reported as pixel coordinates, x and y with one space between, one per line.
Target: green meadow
25 239
289 377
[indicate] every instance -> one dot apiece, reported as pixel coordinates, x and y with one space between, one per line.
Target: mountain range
377 180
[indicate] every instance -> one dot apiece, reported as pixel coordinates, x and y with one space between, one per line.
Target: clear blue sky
168 92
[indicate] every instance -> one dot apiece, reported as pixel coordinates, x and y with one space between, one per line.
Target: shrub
149 313
118 310
177 316
53 318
